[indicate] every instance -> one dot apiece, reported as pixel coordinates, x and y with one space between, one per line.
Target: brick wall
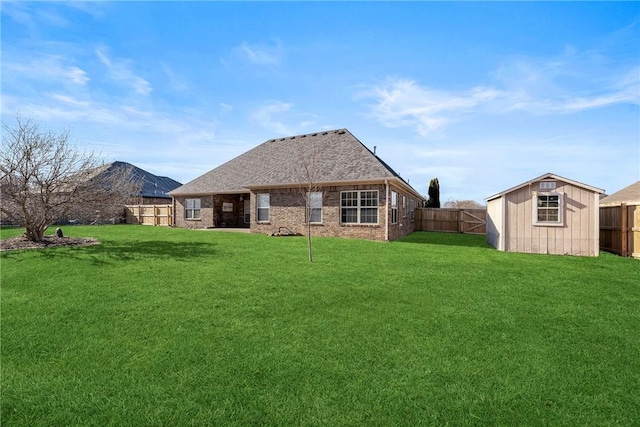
206 219
287 211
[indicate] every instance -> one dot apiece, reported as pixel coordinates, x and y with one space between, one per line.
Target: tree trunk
35 234
309 240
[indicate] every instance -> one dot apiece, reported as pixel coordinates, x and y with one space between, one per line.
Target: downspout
173 212
386 215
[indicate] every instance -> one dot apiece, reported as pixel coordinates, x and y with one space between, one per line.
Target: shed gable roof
544 177
629 195
332 157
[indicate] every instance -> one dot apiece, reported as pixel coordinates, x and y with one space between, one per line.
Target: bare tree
463 204
43 179
309 189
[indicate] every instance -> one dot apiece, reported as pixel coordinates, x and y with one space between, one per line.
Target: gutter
386 210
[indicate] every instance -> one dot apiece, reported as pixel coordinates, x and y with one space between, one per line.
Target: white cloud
266 117
402 102
259 54
567 83
120 71
174 81
48 68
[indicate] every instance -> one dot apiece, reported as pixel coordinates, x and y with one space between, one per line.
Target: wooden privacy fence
468 221
150 214
620 229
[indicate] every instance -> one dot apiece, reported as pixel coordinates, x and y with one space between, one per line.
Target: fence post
624 230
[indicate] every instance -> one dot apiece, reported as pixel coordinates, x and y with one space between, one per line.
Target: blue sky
483 96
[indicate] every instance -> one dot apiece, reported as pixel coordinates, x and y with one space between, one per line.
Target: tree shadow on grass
447 239
134 251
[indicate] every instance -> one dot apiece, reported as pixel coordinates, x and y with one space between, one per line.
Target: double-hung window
264 205
192 209
394 207
548 208
359 207
315 207
405 206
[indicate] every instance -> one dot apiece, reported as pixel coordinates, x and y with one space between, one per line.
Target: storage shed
620 222
546 215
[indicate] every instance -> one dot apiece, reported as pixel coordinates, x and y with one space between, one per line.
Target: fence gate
620 229
473 221
468 221
149 214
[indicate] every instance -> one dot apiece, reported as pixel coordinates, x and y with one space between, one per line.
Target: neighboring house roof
333 158
629 195
543 177
152 185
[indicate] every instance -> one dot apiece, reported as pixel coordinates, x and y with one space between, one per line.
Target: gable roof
152 185
333 157
629 195
542 177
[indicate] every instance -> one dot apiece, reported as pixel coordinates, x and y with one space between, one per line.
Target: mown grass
161 326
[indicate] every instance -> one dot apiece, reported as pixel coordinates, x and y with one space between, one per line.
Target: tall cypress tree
434 194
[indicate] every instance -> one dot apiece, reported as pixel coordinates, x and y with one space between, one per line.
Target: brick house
351 192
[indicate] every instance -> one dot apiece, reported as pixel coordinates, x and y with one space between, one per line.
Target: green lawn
160 326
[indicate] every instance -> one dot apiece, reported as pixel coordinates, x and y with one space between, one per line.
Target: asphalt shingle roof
629 194
152 185
333 156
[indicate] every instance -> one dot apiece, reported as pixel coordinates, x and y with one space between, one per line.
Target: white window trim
394 207
359 207
405 208
197 207
267 207
560 222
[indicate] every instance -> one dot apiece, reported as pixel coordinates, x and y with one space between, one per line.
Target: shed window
192 209
547 185
548 209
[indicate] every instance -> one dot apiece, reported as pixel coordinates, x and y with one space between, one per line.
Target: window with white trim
315 207
263 207
412 209
192 208
548 208
405 206
359 207
394 207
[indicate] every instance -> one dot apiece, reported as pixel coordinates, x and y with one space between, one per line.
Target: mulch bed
20 243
